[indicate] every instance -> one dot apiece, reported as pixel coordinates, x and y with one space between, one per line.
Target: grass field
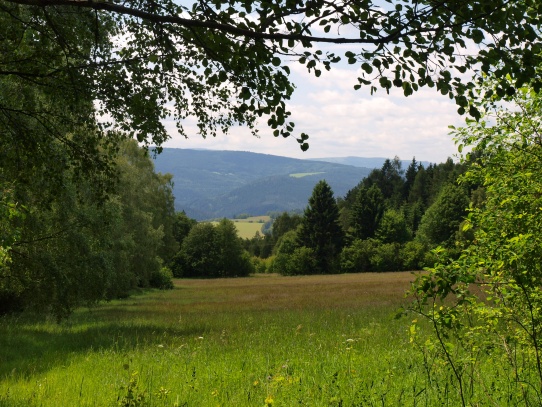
257 341
304 174
247 228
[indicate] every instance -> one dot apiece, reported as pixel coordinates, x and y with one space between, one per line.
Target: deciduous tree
485 306
225 62
441 221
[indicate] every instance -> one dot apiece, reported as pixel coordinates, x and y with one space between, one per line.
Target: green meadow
259 341
247 228
305 174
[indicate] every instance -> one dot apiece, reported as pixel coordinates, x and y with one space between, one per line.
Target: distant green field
305 174
247 228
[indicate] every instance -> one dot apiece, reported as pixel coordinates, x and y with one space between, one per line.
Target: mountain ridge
219 183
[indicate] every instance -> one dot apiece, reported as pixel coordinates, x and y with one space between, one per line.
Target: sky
344 122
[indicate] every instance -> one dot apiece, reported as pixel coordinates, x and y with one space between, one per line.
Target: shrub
415 256
280 264
161 279
386 257
356 258
243 266
303 261
262 266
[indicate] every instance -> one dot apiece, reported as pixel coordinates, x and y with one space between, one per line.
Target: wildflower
269 400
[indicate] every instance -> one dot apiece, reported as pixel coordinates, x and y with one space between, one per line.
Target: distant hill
365 162
210 184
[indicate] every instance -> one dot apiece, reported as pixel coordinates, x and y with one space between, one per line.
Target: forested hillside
213 184
391 220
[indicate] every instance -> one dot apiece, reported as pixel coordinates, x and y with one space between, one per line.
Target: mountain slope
366 162
210 184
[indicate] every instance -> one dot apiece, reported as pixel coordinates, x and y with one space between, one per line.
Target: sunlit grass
247 228
312 340
305 174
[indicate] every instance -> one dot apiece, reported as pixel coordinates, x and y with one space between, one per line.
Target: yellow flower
269 400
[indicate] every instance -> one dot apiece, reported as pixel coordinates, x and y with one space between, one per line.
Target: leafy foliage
393 228
492 291
441 221
212 251
226 62
72 248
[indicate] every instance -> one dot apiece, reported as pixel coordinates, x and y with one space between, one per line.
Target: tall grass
268 340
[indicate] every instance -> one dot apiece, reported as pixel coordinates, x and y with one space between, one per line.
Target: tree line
65 245
390 221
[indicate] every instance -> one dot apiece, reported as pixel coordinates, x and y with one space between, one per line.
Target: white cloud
344 122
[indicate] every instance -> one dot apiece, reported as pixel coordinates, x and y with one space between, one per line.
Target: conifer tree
367 212
410 176
320 229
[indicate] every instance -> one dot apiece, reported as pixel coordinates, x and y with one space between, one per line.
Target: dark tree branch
231 29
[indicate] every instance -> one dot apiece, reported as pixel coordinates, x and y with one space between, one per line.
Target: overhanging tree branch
237 31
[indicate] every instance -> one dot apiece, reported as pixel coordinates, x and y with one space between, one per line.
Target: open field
255 219
247 228
257 341
305 174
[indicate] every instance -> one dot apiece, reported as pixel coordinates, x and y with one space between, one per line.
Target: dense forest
392 220
67 244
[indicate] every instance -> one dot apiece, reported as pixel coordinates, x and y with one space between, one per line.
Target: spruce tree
367 212
320 229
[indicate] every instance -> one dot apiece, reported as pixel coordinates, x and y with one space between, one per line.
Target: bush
386 257
301 262
415 256
161 279
279 264
356 258
262 266
244 266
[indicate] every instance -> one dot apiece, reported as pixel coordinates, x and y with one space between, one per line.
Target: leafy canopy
225 62
493 294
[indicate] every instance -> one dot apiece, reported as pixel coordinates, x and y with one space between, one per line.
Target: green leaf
474 112
477 36
367 68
